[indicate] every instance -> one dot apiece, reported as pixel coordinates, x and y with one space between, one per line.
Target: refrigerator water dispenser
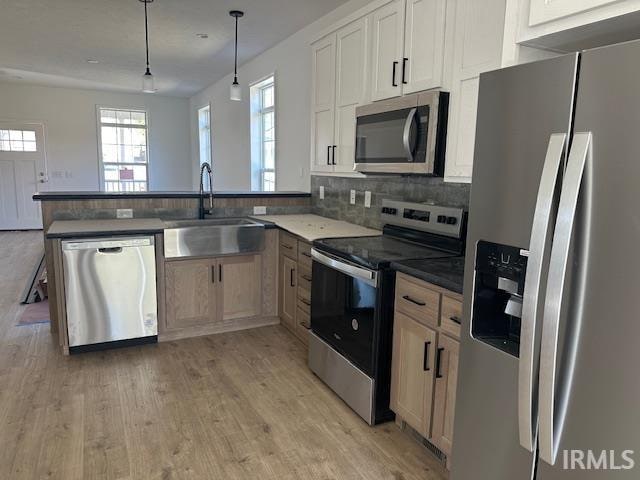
497 297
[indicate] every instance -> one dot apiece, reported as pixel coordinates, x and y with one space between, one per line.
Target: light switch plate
124 213
352 198
367 199
321 192
259 210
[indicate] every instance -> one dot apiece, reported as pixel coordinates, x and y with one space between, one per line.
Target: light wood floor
233 406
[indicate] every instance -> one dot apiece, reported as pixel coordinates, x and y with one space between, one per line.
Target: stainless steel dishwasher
110 292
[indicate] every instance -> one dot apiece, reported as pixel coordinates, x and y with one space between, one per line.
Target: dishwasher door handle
108 250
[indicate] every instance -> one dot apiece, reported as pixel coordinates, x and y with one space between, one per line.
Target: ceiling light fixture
202 35
92 61
147 78
236 91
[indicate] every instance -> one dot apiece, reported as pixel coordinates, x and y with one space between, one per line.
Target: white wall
69 116
290 60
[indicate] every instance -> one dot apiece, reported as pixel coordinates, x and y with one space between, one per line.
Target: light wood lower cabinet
424 368
288 291
207 291
412 372
240 286
295 285
190 292
444 402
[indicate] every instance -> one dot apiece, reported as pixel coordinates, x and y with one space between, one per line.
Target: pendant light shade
236 90
148 85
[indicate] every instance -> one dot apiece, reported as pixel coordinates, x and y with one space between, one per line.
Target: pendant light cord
235 65
146 33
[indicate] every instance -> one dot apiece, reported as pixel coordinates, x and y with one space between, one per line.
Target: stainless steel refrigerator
549 382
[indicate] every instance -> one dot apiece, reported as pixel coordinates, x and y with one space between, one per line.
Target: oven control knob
451 220
442 219
354 324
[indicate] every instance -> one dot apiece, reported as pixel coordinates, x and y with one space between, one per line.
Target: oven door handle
406 135
368 276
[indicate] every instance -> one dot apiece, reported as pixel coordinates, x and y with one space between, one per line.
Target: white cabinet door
351 89
541 11
423 45
388 38
323 103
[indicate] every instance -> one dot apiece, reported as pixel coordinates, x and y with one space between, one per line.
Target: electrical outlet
352 198
367 199
124 213
321 192
259 210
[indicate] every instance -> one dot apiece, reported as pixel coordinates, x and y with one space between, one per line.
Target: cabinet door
423 45
388 38
351 89
412 372
240 286
323 103
288 295
190 293
445 392
541 11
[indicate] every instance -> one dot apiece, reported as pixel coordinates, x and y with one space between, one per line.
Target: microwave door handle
527 370
553 401
406 135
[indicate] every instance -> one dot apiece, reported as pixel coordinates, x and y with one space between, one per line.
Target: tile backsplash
411 189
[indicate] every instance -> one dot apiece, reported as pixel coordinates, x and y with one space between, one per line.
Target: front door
22 173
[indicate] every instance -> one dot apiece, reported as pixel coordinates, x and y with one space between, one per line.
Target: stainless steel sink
213 236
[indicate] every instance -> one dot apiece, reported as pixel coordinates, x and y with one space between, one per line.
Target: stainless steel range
352 299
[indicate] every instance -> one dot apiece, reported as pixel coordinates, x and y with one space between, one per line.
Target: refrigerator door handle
541 221
552 404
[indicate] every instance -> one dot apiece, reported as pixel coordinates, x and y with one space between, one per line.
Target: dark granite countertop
445 272
44 196
100 228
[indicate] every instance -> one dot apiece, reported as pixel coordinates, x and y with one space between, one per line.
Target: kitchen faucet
202 211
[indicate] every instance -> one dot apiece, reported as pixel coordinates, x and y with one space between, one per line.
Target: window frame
257 115
200 162
99 125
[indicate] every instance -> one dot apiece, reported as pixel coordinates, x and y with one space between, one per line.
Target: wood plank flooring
241 405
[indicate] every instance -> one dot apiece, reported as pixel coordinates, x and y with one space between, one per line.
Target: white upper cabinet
351 89
387 54
340 84
423 45
541 11
323 103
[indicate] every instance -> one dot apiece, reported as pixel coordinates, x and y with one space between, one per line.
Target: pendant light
147 78
236 91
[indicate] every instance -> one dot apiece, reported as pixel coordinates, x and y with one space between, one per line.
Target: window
204 132
263 135
124 150
18 141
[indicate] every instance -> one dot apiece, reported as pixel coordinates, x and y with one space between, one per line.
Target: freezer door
589 388
520 109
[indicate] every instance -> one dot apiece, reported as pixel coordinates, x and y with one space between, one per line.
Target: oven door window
343 314
399 136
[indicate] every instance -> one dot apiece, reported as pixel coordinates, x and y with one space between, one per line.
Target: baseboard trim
230 326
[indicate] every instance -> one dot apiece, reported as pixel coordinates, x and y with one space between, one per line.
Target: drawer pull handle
287 246
305 325
455 319
438 362
306 277
425 359
409 299
306 254
306 302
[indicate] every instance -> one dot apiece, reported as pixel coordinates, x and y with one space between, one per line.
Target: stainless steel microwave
405 135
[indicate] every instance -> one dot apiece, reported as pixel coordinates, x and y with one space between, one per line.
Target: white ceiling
49 42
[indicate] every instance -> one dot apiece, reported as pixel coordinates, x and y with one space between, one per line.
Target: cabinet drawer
413 298
304 254
303 325
451 316
304 300
288 245
304 277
